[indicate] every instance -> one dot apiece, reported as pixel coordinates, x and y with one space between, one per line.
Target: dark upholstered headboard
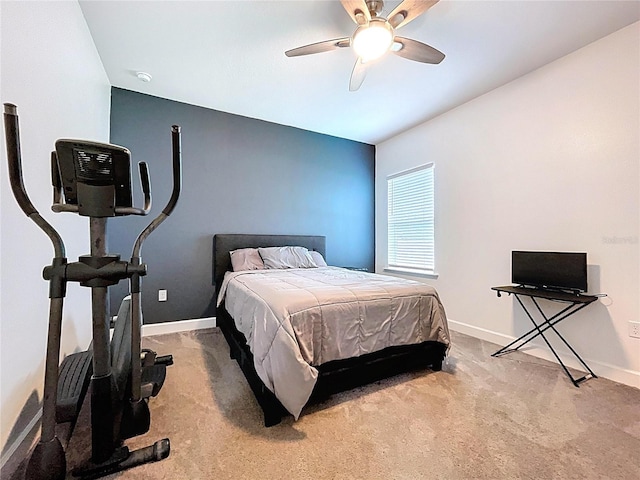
225 243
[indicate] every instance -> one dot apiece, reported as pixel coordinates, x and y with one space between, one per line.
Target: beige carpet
515 417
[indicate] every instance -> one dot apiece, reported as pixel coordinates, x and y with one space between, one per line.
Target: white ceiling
229 56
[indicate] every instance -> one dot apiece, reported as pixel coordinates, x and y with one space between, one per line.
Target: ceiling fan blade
417 51
357 10
357 75
409 10
319 47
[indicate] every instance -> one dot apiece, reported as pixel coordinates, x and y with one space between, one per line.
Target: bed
316 373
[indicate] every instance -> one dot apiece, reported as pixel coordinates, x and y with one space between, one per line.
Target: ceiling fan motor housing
375 7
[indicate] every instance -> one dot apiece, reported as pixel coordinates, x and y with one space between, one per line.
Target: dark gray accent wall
240 175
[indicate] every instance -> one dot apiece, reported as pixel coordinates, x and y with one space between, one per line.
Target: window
411 220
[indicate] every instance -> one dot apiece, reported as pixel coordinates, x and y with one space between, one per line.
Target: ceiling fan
375 36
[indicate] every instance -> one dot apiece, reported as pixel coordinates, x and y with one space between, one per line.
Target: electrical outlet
162 295
634 329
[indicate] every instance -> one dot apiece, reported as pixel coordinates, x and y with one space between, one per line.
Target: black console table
576 303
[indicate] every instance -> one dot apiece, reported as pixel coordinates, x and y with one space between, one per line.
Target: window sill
410 271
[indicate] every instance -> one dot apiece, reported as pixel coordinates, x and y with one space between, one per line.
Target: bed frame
335 376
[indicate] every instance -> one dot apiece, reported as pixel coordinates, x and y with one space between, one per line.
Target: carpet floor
514 417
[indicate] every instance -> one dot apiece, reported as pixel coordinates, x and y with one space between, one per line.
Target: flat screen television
552 270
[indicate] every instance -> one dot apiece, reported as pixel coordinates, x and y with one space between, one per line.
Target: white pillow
317 257
286 257
246 259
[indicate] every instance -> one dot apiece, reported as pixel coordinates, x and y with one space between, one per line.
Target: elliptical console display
94 180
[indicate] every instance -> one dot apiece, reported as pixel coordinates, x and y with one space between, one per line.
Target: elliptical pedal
73 382
152 380
154 372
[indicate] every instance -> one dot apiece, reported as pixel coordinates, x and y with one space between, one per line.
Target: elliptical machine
95 179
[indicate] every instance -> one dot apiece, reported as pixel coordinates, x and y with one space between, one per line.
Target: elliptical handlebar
146 185
146 191
56 180
175 194
177 169
14 158
48 455
12 135
136 303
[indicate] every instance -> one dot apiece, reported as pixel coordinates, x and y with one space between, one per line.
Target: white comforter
294 319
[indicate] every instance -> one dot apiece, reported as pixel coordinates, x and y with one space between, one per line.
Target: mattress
297 319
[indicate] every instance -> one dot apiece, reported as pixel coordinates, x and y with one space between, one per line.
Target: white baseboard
601 369
178 326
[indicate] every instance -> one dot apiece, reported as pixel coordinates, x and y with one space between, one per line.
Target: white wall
51 70
549 161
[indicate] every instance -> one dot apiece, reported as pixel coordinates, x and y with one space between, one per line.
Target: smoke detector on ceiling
143 76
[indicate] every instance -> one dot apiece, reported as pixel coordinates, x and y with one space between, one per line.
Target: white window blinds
410 219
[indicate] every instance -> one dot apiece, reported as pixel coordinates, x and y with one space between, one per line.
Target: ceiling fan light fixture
373 40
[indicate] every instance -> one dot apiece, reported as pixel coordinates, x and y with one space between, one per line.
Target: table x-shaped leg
539 330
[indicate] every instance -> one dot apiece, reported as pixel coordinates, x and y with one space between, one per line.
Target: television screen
559 270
